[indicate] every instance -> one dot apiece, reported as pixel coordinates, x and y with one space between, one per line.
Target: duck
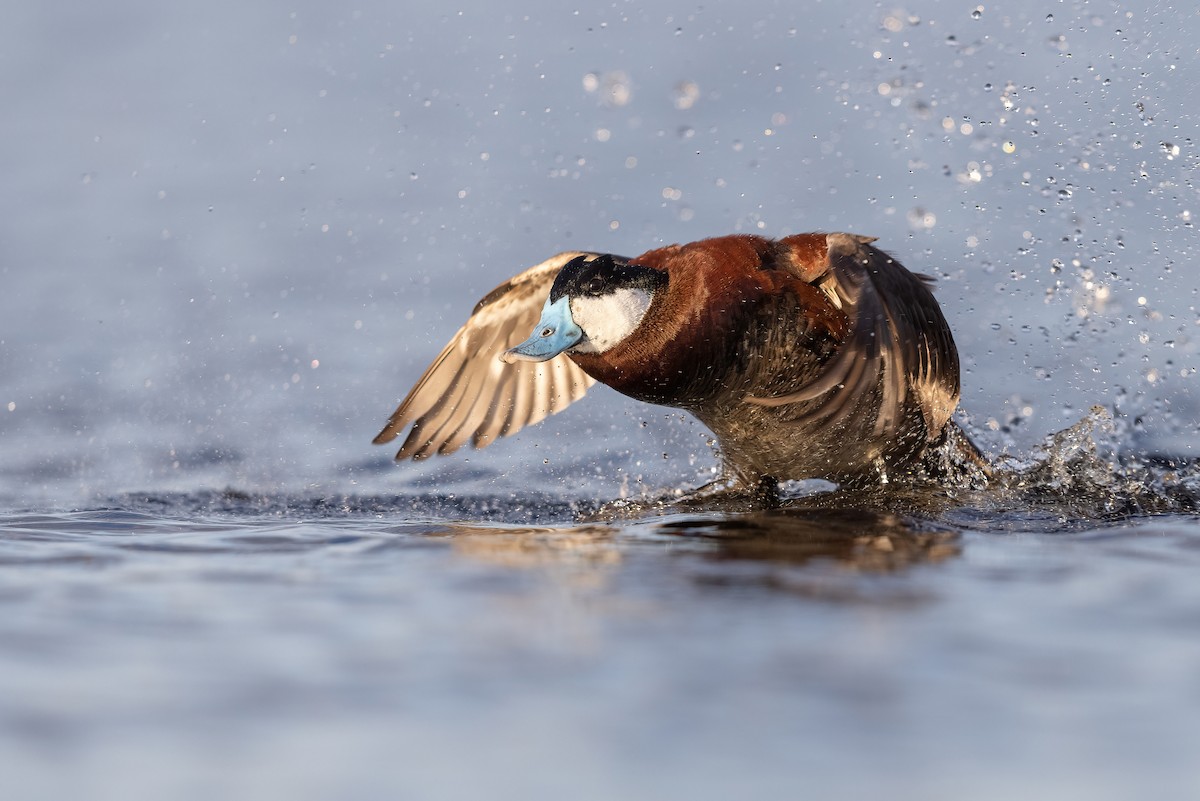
811 356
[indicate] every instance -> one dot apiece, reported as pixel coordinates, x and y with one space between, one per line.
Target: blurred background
232 235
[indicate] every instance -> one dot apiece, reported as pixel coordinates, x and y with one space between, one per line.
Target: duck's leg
733 484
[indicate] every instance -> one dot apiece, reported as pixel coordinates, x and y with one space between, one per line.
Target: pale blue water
233 236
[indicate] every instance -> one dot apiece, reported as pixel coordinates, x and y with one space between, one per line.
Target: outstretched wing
899 345
469 394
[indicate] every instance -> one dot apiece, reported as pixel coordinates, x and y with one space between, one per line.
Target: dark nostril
547 331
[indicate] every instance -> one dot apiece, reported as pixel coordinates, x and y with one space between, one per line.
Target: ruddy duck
811 356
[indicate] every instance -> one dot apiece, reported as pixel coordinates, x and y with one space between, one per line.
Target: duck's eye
595 286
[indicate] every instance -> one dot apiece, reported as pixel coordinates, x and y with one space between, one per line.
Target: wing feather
492 426
467 393
893 346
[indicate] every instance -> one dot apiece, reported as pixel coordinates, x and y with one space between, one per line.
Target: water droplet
920 218
616 89
686 94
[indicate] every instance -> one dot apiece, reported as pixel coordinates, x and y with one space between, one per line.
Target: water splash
1088 475
1085 476
1082 477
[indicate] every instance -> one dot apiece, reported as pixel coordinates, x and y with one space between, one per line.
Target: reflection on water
589 547
811 553
859 539
816 554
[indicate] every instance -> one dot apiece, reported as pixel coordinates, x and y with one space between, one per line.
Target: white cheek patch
608 319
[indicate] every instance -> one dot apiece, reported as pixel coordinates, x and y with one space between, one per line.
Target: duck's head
593 305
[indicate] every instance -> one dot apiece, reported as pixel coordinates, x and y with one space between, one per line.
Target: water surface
189 646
